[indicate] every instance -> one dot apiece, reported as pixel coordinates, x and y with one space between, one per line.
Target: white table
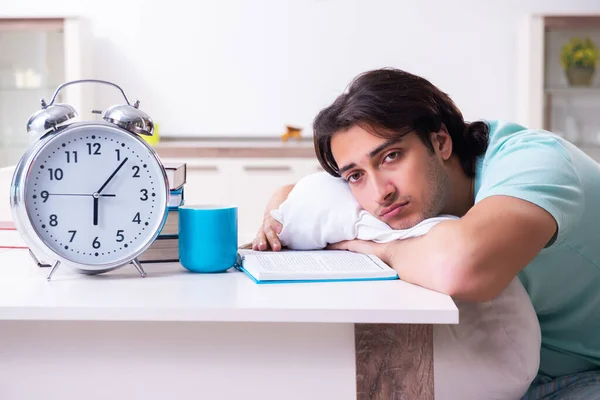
179 335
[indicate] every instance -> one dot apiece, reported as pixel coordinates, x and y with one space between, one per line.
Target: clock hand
112 175
95 210
81 194
97 194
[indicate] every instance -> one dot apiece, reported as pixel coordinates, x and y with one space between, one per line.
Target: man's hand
267 238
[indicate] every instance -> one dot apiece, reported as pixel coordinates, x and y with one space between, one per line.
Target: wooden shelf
571 22
566 90
32 24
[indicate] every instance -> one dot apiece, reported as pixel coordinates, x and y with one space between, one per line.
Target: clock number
118 154
136 174
72 236
45 195
68 153
96 147
145 195
96 243
53 220
55 174
120 236
137 218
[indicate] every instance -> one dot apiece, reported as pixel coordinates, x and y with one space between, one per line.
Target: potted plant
579 58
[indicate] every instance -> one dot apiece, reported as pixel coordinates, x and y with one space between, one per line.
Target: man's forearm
279 197
432 261
473 258
435 260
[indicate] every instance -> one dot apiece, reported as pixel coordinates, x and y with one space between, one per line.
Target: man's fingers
259 242
276 226
271 224
273 240
267 235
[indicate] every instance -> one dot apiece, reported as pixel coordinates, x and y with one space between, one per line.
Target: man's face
401 183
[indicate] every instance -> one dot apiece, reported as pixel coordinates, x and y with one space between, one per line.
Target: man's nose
384 189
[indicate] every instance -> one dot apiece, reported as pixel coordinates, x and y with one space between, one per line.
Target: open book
311 266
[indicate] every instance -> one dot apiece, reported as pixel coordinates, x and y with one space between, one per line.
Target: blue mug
208 237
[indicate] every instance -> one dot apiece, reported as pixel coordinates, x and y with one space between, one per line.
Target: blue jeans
584 385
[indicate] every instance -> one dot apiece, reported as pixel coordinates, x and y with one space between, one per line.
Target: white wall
235 67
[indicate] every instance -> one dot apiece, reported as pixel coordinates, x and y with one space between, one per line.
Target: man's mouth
393 210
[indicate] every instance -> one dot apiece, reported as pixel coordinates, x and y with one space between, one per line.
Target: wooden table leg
394 362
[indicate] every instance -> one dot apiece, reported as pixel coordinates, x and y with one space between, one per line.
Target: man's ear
442 143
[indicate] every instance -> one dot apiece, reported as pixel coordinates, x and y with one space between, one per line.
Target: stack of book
9 237
166 246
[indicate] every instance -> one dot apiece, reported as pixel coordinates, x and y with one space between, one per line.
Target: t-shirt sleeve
538 169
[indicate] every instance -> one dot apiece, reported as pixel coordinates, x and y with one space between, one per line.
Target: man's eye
353 177
392 156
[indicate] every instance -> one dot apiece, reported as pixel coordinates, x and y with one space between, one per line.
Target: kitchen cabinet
36 56
255 183
209 181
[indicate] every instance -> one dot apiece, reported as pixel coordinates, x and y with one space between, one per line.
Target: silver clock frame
37 247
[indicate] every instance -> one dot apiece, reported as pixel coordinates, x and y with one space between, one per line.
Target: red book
9 237
7 226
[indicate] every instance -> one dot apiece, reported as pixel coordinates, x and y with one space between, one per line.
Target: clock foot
138 266
37 261
54 268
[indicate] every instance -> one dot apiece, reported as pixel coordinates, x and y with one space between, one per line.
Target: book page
317 261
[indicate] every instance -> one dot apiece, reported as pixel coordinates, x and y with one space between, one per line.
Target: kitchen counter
170 147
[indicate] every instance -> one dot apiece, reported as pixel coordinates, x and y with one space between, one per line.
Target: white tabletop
171 293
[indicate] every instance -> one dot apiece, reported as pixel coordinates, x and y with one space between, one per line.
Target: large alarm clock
92 195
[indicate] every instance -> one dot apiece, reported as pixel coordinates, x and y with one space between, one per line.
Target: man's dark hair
390 103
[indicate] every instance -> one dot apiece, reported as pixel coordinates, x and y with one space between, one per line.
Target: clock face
95 194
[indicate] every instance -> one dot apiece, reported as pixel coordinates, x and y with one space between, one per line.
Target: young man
529 204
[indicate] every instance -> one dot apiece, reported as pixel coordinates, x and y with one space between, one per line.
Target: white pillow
321 210
493 353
